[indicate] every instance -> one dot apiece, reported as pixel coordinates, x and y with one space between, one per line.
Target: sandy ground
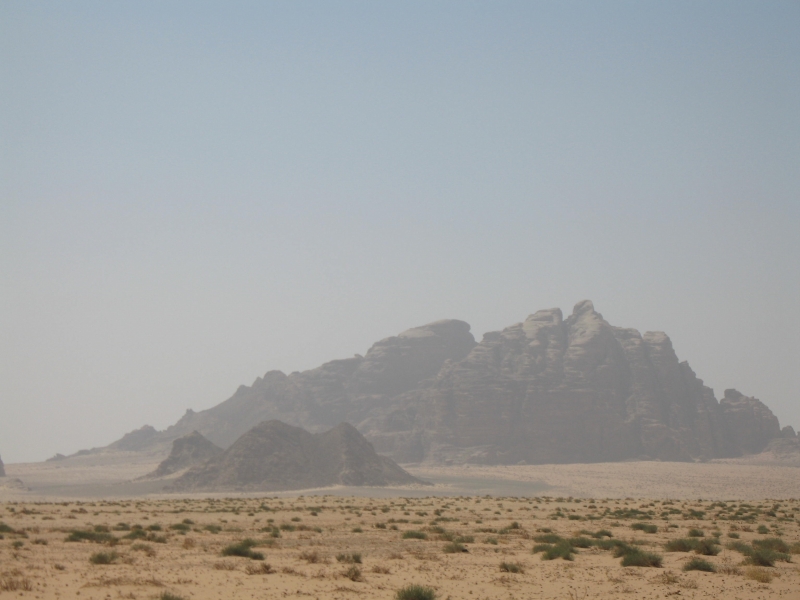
114 476
176 546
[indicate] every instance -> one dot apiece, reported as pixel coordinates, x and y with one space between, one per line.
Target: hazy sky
194 193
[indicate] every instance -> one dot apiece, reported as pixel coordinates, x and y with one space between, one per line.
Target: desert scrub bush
733 536
454 548
313 557
415 592
699 564
646 527
212 528
103 558
507 567
380 569
680 545
243 549
353 574
740 547
169 596
695 533
548 538
581 542
758 574
148 550
350 558
762 529
98 537
414 535
775 544
707 548
491 540
601 534
40 542
638 558
562 549
761 557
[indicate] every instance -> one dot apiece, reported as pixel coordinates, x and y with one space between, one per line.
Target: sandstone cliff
549 389
276 456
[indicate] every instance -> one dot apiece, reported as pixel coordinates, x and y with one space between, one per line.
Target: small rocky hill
191 450
275 456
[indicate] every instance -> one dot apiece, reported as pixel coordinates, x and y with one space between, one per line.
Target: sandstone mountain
275 456
549 389
191 450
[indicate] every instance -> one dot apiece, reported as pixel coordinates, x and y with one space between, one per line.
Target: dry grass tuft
259 569
224 565
13 584
758 574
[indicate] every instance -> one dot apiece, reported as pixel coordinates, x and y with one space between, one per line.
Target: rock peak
583 307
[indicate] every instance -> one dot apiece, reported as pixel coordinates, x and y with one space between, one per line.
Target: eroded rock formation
549 389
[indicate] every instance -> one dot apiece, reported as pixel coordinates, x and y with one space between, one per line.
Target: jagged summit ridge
548 389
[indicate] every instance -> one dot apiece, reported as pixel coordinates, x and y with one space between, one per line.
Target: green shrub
415 535
637 558
602 533
776 544
707 548
681 545
548 538
169 596
561 550
454 548
98 537
415 592
762 557
103 558
350 558
698 564
762 529
581 542
734 536
243 549
740 547
506 567
696 533
646 527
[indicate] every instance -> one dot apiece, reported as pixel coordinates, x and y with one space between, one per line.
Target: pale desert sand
497 511
179 548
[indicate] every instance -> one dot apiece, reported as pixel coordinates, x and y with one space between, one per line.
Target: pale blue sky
193 193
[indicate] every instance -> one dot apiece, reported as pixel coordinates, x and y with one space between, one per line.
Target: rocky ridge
547 390
275 456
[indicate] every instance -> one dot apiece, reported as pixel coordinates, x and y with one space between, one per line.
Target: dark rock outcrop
547 390
276 456
191 450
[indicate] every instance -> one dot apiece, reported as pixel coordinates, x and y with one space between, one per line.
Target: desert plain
547 531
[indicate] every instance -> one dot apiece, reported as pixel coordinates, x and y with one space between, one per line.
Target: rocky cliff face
549 389
188 451
276 456
2 468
